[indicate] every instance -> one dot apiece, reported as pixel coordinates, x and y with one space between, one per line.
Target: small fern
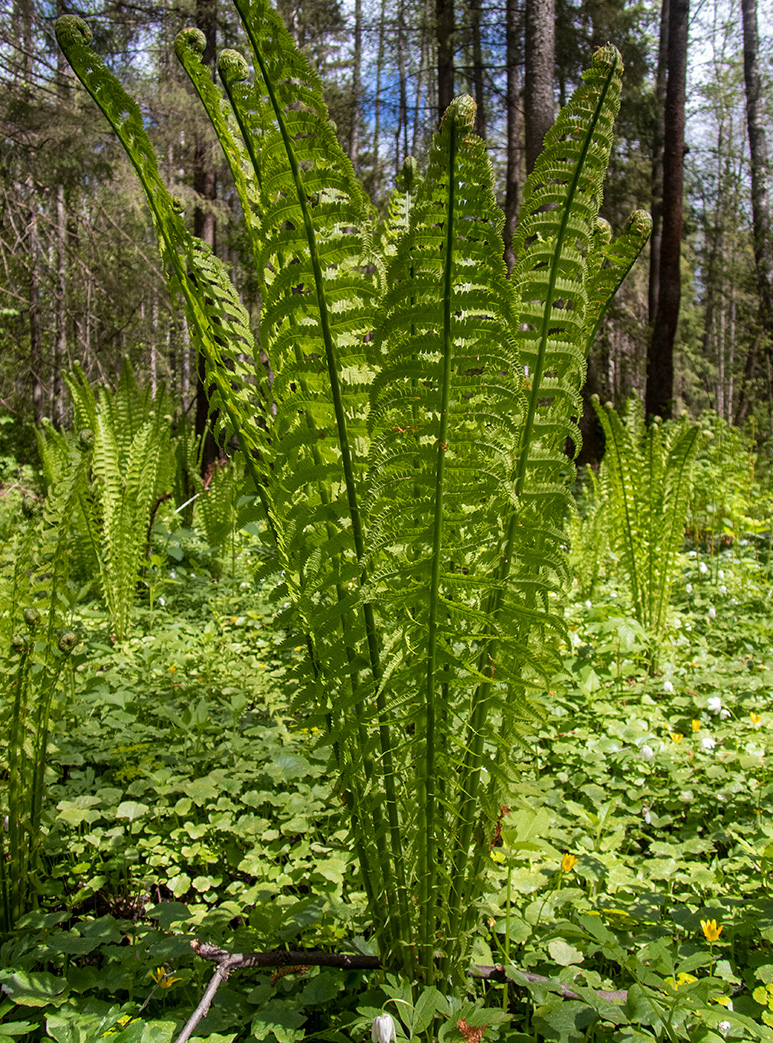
649 471
411 464
35 643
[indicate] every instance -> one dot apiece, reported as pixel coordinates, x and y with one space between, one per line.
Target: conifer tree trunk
205 185
477 68
763 246
444 28
539 104
660 359
401 132
354 135
513 172
656 205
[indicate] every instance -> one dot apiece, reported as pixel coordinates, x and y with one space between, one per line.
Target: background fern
649 472
35 643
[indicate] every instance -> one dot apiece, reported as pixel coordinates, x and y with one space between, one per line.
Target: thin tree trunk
354 137
444 28
377 103
660 359
36 342
477 67
154 345
205 185
402 115
513 172
60 327
539 104
656 205
763 247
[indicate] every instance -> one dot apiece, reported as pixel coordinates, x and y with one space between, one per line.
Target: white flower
646 752
173 575
243 586
722 588
720 574
588 604
724 714
668 687
688 588
712 613
613 594
714 705
648 817
193 575
703 568
707 743
161 602
383 1030
724 1027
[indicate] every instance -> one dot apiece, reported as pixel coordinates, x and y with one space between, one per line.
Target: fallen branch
231 961
497 973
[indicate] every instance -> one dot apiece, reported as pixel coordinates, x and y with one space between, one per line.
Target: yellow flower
681 979
163 978
711 930
676 736
756 718
696 726
172 669
568 862
497 855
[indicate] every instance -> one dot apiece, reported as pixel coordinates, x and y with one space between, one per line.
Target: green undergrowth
183 801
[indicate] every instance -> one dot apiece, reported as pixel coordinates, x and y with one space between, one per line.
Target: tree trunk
444 28
539 104
763 247
36 341
354 135
660 359
377 103
656 206
402 115
477 68
513 172
205 185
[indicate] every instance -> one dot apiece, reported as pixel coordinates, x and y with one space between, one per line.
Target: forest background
80 277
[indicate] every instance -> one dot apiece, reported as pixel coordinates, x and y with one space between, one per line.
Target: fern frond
612 261
217 319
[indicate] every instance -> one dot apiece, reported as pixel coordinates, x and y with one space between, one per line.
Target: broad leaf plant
409 452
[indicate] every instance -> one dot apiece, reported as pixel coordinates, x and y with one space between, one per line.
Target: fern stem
470 772
427 824
351 496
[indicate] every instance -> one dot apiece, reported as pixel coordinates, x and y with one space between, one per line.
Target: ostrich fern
409 457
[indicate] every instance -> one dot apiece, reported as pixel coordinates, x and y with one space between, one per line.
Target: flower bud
383 1030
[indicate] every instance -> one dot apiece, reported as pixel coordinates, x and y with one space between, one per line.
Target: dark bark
402 115
763 246
444 28
205 185
477 68
660 358
513 171
354 135
539 103
656 205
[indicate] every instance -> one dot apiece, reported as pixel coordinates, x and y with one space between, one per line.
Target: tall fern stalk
410 470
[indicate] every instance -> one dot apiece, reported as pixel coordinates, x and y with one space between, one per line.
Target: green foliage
35 643
730 495
649 473
411 462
